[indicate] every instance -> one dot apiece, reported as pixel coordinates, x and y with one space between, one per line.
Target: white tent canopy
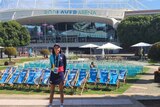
141 44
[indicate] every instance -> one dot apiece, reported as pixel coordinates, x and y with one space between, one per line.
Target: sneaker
61 105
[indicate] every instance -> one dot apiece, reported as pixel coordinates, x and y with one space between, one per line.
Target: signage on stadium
70 12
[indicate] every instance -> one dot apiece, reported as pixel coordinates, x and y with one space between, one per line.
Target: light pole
45 28
110 38
51 28
66 32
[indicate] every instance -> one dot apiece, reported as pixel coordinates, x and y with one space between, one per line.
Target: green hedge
154 52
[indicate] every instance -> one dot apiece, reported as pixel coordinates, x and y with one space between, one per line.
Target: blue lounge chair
38 76
7 70
113 79
30 79
66 73
14 77
13 69
22 77
45 77
113 71
122 75
4 78
71 78
7 75
92 76
103 77
82 79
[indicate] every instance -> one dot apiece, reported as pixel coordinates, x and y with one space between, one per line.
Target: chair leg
83 88
118 84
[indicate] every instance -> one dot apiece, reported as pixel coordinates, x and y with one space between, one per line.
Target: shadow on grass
23 89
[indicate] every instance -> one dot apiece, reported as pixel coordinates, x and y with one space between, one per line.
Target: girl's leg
61 92
52 88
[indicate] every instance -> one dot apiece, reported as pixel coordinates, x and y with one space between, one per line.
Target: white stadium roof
53 11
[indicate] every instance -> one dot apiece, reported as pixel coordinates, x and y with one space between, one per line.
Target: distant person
157 75
92 65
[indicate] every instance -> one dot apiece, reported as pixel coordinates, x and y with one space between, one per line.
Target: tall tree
152 33
13 34
132 30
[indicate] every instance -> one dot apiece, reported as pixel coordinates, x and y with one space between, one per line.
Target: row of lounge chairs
13 76
74 78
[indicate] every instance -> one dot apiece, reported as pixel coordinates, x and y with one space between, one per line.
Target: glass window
81 32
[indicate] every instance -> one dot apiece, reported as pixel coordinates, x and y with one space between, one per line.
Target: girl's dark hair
53 48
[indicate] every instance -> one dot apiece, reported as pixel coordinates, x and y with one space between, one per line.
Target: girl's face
57 50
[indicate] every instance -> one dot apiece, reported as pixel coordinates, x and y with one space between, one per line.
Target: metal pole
45 27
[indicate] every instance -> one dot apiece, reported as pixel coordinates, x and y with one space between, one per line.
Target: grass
92 89
155 63
23 90
18 61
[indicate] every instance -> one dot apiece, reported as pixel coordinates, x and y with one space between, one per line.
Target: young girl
58 67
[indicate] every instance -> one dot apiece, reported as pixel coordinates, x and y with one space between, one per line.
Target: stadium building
71 23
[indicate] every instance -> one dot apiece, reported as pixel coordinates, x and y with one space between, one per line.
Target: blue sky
150 4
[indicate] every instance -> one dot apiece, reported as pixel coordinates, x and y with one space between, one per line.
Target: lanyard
56 62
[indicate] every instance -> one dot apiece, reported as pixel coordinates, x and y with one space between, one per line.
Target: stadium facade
71 23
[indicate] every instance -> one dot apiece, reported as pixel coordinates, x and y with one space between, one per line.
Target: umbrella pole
108 55
141 53
103 53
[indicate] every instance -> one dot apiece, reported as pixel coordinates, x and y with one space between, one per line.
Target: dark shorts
56 79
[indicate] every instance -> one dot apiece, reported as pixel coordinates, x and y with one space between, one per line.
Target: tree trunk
9 58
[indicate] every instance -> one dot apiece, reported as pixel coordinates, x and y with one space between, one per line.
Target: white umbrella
141 44
89 46
108 46
1 47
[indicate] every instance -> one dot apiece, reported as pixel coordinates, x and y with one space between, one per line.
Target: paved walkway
144 88
73 102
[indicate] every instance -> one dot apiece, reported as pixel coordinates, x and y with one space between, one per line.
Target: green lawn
18 61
